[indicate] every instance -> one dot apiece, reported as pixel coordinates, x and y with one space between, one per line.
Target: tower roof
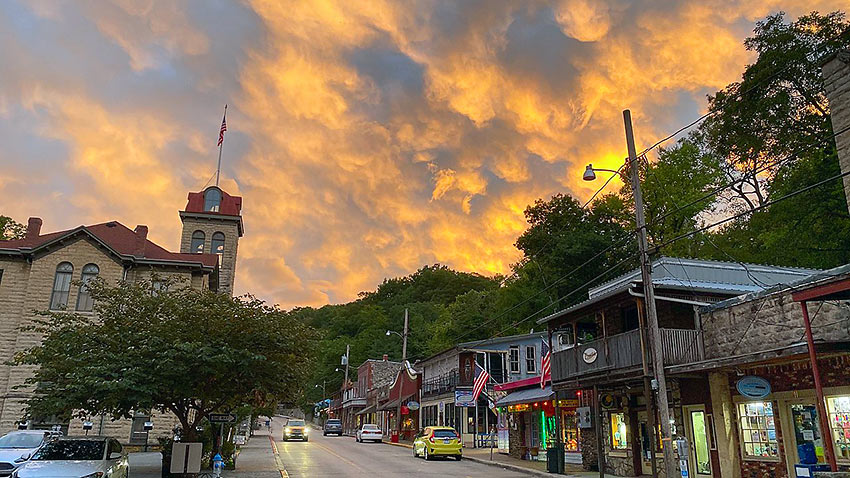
228 205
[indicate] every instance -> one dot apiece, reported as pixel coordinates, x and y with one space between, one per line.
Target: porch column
725 427
826 431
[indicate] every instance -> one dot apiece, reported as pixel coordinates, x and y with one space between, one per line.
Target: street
341 456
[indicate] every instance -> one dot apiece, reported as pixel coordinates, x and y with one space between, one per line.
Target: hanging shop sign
413 405
519 407
607 401
405 410
463 398
589 355
568 403
753 387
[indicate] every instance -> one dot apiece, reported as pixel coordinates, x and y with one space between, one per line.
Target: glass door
808 438
698 429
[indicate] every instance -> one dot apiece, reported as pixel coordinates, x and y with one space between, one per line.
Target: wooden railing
623 352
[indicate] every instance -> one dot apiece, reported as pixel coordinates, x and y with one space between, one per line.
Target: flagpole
220 146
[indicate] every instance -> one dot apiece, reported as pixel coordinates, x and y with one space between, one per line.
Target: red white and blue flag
545 364
223 127
481 379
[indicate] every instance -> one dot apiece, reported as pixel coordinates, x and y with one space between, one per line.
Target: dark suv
332 426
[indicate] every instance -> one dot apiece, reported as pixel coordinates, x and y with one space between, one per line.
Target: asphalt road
334 456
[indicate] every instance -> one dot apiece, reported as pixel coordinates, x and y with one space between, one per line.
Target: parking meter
87 425
684 451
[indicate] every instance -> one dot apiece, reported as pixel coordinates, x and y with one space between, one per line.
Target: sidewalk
256 459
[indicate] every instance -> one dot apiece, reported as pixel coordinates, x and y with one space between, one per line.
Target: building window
217 244
513 359
1 276
619 432
198 238
61 286
839 419
758 430
212 200
531 359
84 299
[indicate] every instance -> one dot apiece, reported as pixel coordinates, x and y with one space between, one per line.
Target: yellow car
438 441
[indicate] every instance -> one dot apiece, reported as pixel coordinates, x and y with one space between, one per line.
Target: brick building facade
47 272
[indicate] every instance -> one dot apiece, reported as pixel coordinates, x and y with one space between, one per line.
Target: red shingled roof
230 205
121 239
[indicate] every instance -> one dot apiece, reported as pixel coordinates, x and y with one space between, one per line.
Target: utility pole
649 294
404 339
345 382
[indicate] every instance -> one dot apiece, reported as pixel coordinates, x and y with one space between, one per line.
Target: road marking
280 467
355 465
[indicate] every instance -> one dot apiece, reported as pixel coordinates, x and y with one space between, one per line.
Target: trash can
394 436
555 459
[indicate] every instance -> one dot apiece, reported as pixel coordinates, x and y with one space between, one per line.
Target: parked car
369 431
438 441
295 429
332 426
18 446
85 457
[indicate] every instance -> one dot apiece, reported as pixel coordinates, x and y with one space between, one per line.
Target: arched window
217 244
212 200
84 299
198 238
61 286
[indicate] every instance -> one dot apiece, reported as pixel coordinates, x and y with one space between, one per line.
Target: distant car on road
332 426
86 457
438 441
369 431
18 446
295 429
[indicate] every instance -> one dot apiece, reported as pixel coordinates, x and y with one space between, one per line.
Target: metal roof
695 275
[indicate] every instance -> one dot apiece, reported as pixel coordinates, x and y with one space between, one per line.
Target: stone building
48 272
836 79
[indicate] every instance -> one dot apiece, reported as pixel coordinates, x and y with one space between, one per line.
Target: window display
758 430
619 433
839 421
571 431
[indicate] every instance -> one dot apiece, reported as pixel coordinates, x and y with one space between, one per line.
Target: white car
18 446
79 457
369 432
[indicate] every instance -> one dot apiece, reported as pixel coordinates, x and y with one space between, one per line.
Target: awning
390 405
527 395
369 409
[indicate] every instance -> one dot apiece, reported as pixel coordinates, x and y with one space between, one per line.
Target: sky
367 138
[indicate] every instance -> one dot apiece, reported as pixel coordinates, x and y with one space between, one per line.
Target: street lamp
403 337
649 295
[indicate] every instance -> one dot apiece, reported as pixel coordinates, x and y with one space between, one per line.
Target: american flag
223 127
481 379
545 364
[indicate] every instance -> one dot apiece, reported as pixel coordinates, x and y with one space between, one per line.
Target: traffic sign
222 418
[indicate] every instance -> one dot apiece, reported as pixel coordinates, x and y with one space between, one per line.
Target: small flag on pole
545 364
481 379
223 127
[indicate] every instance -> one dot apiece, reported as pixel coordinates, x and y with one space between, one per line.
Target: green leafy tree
9 229
185 351
779 107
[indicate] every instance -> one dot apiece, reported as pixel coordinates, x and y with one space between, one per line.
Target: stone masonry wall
227 266
836 77
778 322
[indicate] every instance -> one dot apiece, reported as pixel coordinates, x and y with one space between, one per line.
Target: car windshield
370 427
445 434
71 450
21 440
334 422
295 423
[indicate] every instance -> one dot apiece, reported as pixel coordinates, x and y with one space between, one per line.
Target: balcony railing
442 384
623 352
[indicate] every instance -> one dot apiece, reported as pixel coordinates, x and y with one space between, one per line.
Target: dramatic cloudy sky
367 137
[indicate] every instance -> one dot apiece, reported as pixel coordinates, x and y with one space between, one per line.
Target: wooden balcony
622 353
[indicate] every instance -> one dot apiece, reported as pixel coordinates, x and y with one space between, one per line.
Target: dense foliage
9 229
181 350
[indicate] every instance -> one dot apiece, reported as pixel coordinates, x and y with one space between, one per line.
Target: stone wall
770 322
227 262
836 78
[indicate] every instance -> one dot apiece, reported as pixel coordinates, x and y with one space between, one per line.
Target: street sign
222 418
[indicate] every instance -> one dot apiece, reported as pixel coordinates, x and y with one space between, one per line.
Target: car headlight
306 430
288 430
96 474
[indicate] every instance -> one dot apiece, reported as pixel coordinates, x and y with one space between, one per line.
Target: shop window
839 419
758 430
619 432
571 435
513 359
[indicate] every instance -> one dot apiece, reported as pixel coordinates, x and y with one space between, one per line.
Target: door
698 429
644 443
806 425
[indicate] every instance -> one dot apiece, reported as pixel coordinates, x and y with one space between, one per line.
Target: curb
405 445
508 466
